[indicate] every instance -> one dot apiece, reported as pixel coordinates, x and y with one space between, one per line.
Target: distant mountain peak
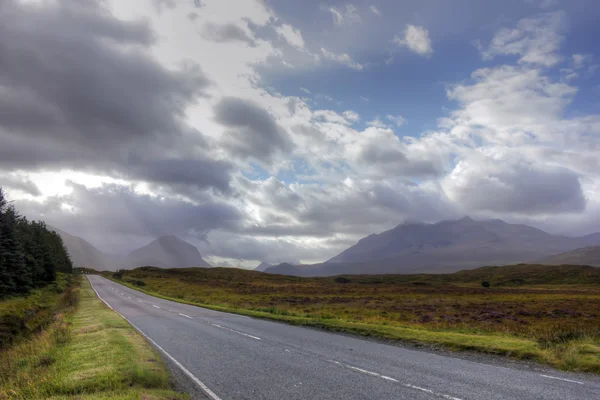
263 266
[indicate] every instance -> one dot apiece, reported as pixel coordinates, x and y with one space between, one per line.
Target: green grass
22 316
547 314
91 353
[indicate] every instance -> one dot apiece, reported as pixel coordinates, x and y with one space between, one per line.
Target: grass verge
91 353
548 322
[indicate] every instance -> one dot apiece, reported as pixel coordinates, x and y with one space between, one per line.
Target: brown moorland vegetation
547 313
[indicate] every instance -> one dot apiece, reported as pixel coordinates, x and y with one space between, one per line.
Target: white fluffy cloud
291 35
415 38
535 40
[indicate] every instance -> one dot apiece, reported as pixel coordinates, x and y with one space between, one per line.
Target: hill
583 256
164 252
167 252
443 247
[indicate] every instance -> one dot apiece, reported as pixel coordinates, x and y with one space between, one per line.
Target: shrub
341 279
485 284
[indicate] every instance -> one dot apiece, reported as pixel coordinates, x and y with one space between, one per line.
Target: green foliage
485 284
30 254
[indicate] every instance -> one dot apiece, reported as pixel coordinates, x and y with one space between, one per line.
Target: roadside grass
22 316
91 353
547 314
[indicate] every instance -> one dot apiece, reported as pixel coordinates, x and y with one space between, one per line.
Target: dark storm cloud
389 159
79 90
198 172
223 33
253 132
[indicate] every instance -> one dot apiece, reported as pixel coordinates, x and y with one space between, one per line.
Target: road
236 357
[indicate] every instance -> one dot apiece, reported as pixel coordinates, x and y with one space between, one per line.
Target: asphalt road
236 357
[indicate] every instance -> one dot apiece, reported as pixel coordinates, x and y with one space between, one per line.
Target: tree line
30 253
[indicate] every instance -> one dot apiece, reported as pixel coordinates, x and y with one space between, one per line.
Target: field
547 314
86 352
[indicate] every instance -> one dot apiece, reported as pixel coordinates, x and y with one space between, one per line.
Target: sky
285 131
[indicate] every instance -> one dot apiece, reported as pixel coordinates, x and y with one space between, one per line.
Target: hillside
443 247
583 256
262 267
83 254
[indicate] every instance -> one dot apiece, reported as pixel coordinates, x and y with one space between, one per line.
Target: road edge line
198 382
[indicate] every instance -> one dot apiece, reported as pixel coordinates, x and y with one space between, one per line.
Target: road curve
235 357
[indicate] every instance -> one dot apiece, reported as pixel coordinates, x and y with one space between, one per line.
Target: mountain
443 247
166 252
262 267
83 254
583 256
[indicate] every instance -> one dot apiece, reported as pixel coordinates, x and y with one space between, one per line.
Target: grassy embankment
81 351
547 314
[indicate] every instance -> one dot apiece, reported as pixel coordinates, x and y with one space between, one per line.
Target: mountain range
443 247
164 252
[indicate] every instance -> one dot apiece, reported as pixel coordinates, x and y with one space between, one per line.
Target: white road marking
198 382
187 316
238 332
563 379
129 297
140 301
155 306
408 385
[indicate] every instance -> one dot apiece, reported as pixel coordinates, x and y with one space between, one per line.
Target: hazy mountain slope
583 256
446 246
166 252
263 266
83 254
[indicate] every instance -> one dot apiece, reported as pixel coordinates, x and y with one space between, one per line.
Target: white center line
129 297
408 385
140 301
238 332
562 379
155 306
187 316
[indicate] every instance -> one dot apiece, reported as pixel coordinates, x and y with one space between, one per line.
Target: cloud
124 213
292 35
348 15
511 102
98 102
378 123
305 90
506 183
375 10
351 116
337 16
535 40
20 183
397 120
223 33
252 131
341 58
416 38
